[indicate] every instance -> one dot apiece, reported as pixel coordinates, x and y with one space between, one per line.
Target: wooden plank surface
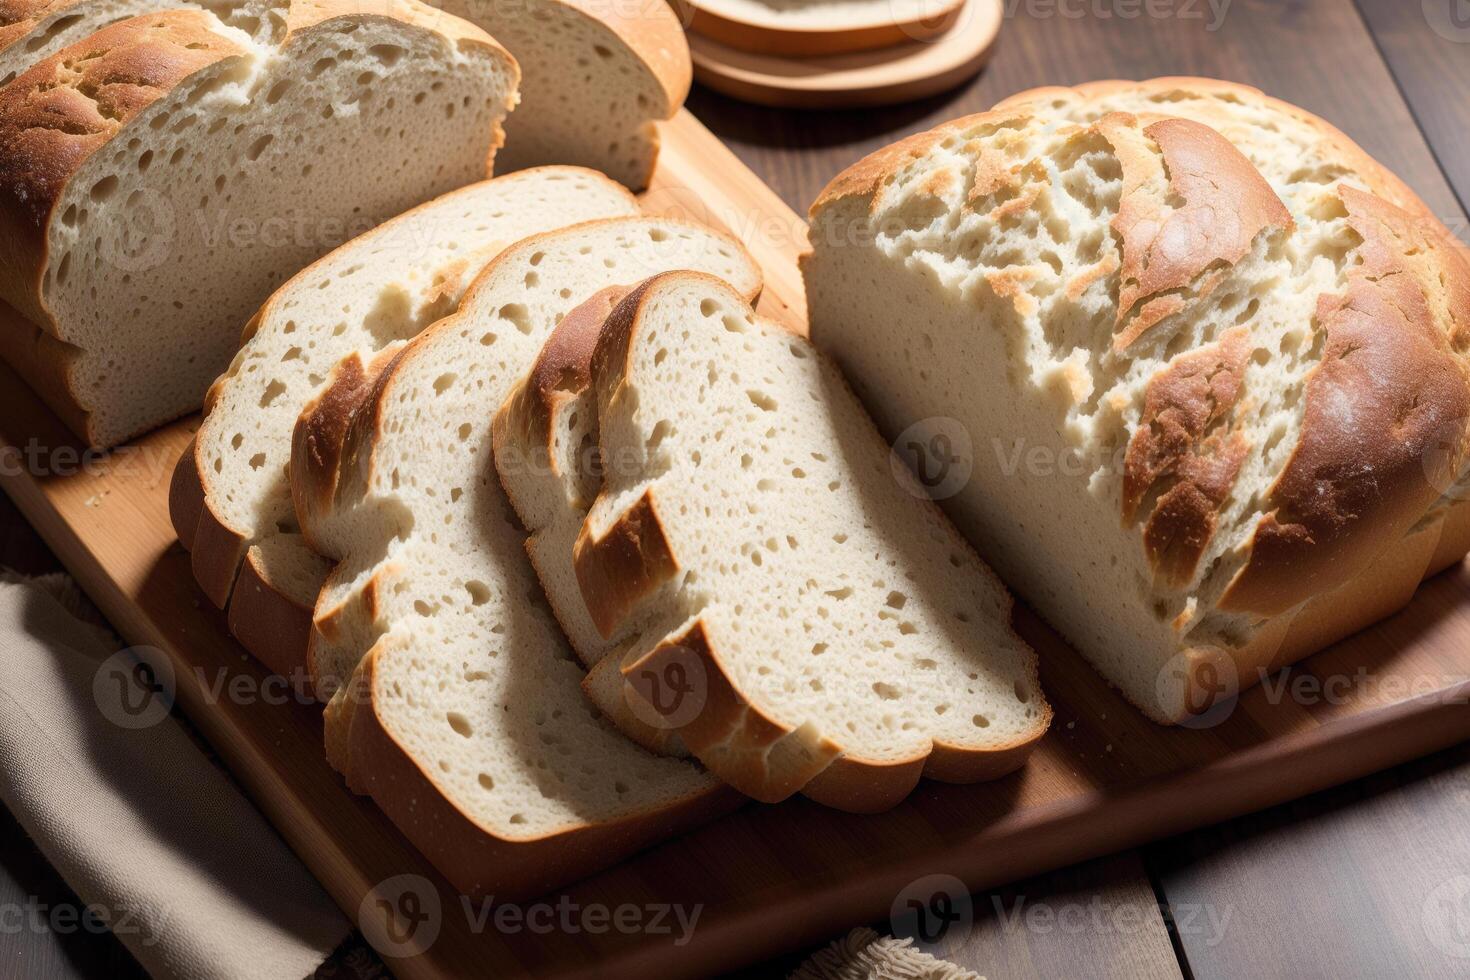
766 878
1368 880
1427 48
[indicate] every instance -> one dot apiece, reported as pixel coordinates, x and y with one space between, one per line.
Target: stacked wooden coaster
838 53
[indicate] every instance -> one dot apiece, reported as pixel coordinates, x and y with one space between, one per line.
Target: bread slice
463 692
598 75
146 212
231 500
1207 355
808 28
830 631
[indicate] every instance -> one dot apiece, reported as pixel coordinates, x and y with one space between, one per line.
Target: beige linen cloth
865 955
141 824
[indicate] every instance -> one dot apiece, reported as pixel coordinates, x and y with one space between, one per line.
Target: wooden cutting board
766 879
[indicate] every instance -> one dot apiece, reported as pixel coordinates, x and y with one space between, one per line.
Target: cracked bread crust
1236 528
1394 350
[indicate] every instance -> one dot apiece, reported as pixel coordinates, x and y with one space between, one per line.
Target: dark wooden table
1356 882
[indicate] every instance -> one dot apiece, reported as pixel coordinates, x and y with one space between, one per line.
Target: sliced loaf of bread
782 594
597 75
1201 359
231 500
146 212
464 717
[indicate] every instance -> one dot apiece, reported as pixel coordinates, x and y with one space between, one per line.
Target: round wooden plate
867 78
716 21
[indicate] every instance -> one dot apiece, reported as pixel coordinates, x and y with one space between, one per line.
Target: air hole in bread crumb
460 724
272 391
980 721
479 592
1022 695
660 432
444 382
761 400
486 783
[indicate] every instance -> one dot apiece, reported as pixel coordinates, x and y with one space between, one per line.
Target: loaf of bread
231 499
745 532
1194 362
454 701
597 75
162 176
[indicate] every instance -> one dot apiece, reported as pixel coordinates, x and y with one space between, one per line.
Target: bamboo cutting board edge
1064 808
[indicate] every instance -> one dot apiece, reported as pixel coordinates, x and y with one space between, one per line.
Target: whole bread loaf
162 176
1194 363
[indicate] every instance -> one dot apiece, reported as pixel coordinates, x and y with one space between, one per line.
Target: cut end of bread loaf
142 233
1205 357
